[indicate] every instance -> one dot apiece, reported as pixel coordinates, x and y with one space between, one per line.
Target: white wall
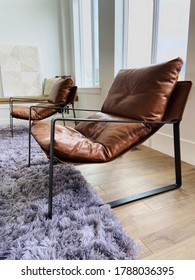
188 127
46 24
163 140
36 23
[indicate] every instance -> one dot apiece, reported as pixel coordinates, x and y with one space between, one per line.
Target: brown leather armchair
138 104
62 95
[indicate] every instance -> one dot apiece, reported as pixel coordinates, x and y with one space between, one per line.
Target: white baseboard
164 143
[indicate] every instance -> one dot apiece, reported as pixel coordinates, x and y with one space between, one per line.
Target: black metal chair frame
119 202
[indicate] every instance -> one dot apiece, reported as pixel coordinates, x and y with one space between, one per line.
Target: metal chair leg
178 176
63 116
119 202
29 148
177 153
50 198
29 138
11 117
74 114
11 125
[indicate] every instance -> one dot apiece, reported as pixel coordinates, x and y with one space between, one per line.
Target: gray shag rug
82 227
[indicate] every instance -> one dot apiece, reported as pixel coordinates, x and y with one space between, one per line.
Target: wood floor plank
180 251
163 225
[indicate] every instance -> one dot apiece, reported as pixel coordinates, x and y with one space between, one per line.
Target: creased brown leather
23 112
90 142
143 94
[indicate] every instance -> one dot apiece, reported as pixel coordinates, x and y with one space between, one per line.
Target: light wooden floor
164 225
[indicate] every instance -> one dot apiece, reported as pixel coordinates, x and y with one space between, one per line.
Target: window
139 22
85 32
173 21
157 30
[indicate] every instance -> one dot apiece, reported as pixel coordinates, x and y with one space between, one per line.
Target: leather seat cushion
143 94
89 141
22 112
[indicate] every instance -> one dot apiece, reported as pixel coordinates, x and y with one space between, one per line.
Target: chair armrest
84 110
23 100
53 120
61 108
36 98
45 106
108 120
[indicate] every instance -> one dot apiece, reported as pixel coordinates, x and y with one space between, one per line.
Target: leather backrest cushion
143 94
60 91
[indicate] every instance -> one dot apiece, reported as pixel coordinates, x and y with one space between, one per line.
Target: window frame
78 43
155 33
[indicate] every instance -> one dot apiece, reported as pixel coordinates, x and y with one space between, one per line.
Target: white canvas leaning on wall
20 71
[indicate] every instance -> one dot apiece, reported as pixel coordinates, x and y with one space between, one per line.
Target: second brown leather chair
62 96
